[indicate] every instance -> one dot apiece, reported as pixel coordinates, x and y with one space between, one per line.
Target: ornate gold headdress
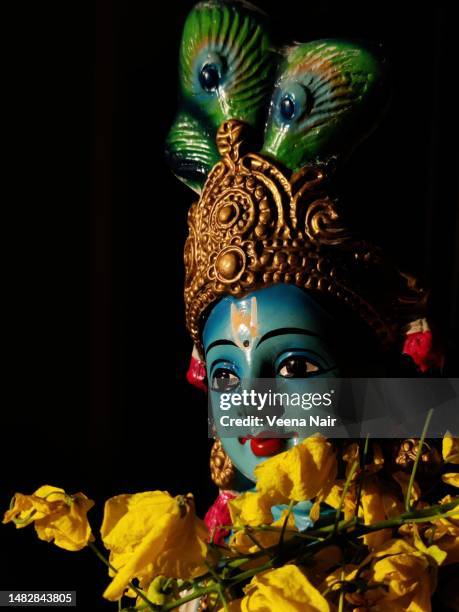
254 227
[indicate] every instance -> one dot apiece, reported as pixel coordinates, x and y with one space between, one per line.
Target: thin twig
284 526
347 484
362 473
416 461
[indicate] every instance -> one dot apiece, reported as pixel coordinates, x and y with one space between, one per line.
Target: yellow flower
450 452
444 532
333 499
373 510
452 478
298 474
400 577
251 508
407 573
376 504
58 517
243 543
285 589
151 534
450 449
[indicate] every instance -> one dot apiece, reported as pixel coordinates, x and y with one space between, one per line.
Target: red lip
263 446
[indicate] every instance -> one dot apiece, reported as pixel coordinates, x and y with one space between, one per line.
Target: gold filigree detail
222 470
409 449
254 227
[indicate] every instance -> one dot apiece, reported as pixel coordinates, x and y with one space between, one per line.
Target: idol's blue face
279 331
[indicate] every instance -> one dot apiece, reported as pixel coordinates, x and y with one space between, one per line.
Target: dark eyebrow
301 348
286 330
219 343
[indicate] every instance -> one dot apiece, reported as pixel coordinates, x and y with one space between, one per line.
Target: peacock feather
226 70
327 96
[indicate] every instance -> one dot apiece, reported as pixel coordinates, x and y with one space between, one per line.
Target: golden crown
254 227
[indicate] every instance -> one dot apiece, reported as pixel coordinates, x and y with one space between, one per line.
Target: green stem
295 545
252 572
284 527
198 592
138 592
362 473
431 513
416 461
347 484
221 594
292 548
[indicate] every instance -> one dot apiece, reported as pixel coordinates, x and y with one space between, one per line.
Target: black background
96 347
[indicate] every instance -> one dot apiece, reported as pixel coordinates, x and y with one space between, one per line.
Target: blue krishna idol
277 286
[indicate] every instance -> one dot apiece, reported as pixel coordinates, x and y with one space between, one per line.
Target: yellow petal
155 534
50 493
450 449
451 479
129 518
373 512
393 547
284 590
333 498
251 508
450 545
453 515
298 474
436 553
68 528
433 551
58 517
405 567
28 508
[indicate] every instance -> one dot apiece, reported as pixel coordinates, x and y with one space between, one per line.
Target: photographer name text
275 421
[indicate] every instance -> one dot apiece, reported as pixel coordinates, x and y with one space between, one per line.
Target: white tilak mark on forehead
244 326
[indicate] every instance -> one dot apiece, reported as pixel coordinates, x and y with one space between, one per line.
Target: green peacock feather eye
226 70
327 97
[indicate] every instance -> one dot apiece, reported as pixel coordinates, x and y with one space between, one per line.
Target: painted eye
224 379
287 108
297 367
209 77
294 101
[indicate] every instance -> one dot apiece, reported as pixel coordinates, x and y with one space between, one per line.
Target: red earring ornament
196 374
420 346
